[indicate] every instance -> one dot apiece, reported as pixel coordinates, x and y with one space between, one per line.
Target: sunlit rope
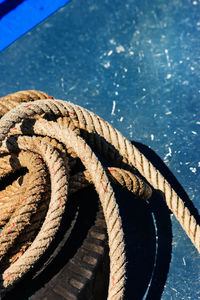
48 138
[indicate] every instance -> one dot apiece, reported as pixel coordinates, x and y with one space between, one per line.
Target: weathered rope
49 138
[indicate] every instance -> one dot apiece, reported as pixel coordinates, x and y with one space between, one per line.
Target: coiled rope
47 139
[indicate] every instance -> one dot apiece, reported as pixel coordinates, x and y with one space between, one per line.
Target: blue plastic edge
24 17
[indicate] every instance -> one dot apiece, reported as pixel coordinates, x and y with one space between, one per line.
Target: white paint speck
194 2
121 119
125 70
180 61
131 52
184 262
168 76
185 82
107 65
168 154
112 42
198 123
174 289
167 58
110 53
116 93
193 170
139 70
192 68
194 132
113 108
199 164
168 113
152 137
120 49
72 88
144 89
62 82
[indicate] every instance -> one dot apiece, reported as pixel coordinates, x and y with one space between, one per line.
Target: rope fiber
50 149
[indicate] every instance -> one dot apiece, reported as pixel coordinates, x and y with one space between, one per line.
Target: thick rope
59 135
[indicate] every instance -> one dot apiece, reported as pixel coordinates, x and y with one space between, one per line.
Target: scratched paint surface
136 64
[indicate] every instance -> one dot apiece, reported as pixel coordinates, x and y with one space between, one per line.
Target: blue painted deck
136 64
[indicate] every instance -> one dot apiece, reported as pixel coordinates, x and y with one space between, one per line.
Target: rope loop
50 148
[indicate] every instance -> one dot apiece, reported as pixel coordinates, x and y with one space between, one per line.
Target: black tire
77 264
